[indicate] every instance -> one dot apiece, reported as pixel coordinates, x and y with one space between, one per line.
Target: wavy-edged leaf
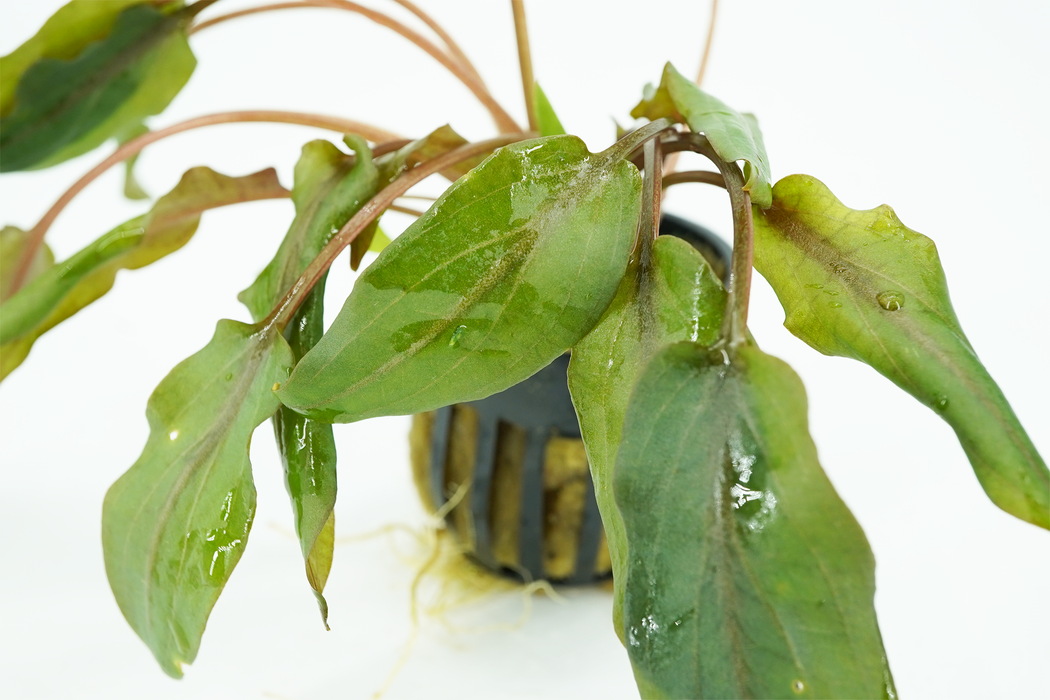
747 575
506 271
733 135
63 36
676 297
175 525
861 284
546 119
63 108
330 186
64 289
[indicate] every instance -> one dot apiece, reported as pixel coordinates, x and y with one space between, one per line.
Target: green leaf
330 186
379 241
12 242
512 266
308 453
747 575
440 141
861 284
549 124
175 525
64 35
64 289
734 136
63 108
675 297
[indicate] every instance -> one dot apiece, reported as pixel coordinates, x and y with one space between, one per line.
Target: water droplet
942 403
229 376
798 686
835 305
173 434
890 300
334 230
814 286
456 335
828 291
839 269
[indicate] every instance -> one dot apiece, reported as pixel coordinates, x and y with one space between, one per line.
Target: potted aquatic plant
738 569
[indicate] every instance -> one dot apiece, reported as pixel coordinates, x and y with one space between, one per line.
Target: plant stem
703 176
286 308
672 160
633 140
649 225
734 322
406 210
528 82
36 234
453 47
504 122
707 44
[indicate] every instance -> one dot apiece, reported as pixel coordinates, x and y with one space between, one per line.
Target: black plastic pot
530 414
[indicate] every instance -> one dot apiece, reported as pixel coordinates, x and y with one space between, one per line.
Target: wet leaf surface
175 525
674 297
506 271
330 186
861 284
747 576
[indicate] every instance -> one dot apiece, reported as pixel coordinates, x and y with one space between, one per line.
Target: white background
937 108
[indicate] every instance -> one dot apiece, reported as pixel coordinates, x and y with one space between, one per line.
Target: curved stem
286 308
703 176
734 322
504 122
707 44
129 149
453 47
405 210
528 81
672 161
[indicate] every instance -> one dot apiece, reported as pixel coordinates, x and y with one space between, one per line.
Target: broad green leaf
63 108
132 188
734 136
675 297
64 289
330 186
175 525
511 267
12 242
64 35
861 284
747 576
548 121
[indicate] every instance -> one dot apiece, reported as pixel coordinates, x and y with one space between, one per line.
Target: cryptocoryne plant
738 570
